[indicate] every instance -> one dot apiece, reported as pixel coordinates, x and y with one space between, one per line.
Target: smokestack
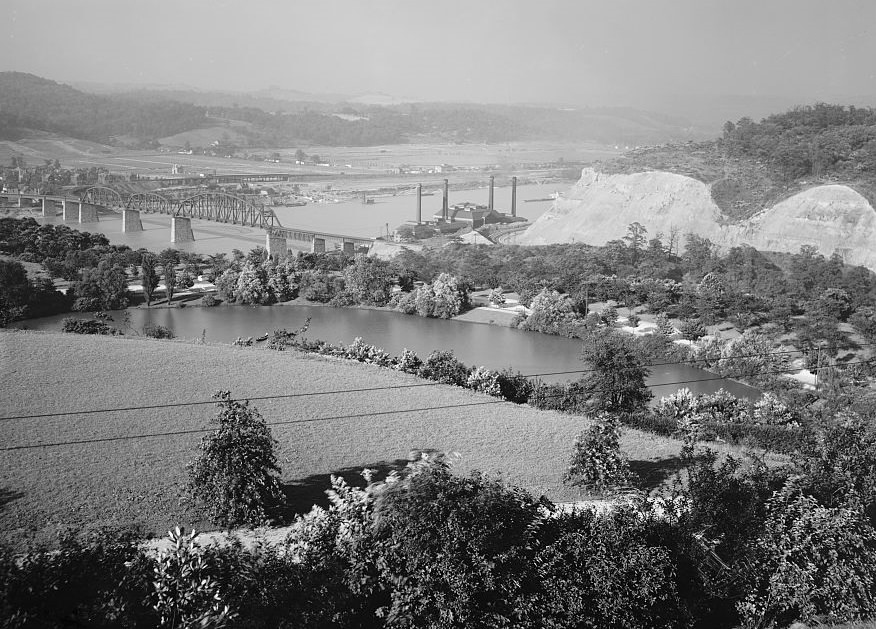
513 196
492 183
445 206
419 203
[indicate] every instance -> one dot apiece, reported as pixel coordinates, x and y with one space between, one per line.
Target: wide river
552 358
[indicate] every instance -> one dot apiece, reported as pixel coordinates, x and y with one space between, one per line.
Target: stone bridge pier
87 212
318 245
48 207
131 221
276 246
181 229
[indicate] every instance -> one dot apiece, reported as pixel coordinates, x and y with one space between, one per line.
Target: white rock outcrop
832 218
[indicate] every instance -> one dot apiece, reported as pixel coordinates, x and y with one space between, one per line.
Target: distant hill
28 102
31 102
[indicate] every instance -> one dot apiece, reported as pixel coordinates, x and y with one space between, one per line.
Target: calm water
492 346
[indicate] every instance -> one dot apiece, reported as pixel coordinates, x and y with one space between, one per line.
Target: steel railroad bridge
219 207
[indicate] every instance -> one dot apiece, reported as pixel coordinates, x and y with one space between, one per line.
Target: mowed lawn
141 481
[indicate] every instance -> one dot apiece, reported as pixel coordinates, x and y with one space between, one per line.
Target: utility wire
381 388
359 415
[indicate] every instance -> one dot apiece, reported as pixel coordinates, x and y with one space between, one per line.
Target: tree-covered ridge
754 165
30 102
819 140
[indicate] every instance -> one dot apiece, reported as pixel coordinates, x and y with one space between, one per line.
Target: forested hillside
754 165
30 102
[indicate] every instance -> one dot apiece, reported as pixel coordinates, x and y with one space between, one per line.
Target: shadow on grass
652 474
303 493
7 496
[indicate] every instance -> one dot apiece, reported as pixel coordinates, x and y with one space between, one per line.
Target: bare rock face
600 207
832 218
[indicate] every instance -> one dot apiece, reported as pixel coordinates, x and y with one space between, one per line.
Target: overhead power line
380 388
353 415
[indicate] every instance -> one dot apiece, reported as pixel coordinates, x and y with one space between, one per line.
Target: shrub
184 593
365 353
209 300
597 462
236 473
813 561
484 380
444 367
603 570
633 320
692 329
86 326
497 296
514 387
409 362
155 331
664 326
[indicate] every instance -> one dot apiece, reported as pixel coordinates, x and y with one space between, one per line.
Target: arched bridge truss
150 202
227 208
105 197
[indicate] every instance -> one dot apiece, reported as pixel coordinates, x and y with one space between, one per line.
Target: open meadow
128 467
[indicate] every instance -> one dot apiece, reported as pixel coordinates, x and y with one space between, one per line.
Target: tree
169 258
300 156
597 462
617 381
635 239
236 473
104 287
14 291
368 281
148 276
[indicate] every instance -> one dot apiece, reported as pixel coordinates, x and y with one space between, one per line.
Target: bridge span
215 206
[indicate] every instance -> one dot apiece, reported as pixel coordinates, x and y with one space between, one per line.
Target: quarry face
599 207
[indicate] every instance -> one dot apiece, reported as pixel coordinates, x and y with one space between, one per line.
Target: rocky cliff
600 207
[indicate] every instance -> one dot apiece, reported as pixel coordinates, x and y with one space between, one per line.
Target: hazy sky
560 51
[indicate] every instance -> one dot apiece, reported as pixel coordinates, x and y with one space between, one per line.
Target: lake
553 358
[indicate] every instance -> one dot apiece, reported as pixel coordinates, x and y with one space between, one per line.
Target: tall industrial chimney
492 184
513 196
445 208
419 203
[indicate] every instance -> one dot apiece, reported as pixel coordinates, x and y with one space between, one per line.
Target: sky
569 52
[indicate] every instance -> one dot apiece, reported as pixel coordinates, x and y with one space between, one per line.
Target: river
492 346
349 218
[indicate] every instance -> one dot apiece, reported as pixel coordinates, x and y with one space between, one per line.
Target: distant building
177 169
466 213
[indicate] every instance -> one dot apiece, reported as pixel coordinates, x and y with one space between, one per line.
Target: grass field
140 481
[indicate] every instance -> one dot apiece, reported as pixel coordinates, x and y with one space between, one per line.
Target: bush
209 300
813 562
485 381
514 387
236 473
444 367
692 329
184 593
87 326
633 320
409 362
597 462
155 331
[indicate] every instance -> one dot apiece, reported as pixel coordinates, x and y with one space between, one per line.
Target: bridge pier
349 247
318 245
19 202
131 221
276 246
181 229
48 207
87 213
